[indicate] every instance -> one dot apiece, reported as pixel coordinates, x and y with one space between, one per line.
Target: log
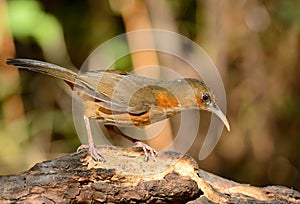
124 177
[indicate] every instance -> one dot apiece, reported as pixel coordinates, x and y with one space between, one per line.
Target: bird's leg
138 143
91 145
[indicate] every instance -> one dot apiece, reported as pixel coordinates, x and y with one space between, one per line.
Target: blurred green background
255 45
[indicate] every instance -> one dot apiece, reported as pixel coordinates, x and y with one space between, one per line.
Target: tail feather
45 68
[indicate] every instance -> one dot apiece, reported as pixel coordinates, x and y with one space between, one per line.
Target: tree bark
124 177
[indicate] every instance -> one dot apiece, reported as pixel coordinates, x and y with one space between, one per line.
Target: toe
95 154
82 147
147 148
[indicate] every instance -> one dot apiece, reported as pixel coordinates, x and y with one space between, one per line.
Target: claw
147 148
95 154
82 147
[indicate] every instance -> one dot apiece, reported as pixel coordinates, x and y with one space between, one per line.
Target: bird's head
205 99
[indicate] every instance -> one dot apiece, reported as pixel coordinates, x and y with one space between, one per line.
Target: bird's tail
45 68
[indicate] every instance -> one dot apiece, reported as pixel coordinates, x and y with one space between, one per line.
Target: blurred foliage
27 19
255 45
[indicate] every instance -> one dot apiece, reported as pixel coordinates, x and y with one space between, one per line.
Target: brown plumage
117 98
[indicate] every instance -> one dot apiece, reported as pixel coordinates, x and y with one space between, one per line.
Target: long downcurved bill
216 110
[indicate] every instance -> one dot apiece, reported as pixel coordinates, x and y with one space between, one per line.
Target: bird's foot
147 148
95 154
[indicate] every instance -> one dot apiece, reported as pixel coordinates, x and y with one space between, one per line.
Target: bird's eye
205 98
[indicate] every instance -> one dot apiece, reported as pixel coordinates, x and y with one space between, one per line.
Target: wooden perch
124 177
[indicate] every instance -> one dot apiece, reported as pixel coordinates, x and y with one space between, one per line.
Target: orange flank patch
141 120
166 100
94 110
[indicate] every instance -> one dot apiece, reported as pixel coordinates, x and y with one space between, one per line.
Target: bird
121 99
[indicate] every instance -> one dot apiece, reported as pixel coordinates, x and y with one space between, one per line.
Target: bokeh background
255 45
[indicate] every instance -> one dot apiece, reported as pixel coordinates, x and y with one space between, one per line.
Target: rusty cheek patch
199 101
165 100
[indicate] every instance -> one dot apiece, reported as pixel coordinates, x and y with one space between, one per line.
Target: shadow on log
124 177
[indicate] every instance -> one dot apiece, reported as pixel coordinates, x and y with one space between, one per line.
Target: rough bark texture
124 177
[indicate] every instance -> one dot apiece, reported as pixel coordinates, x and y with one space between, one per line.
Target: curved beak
216 110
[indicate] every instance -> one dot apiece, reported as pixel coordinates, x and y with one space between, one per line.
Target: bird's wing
119 91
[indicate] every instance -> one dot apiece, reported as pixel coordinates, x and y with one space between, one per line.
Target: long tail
45 68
